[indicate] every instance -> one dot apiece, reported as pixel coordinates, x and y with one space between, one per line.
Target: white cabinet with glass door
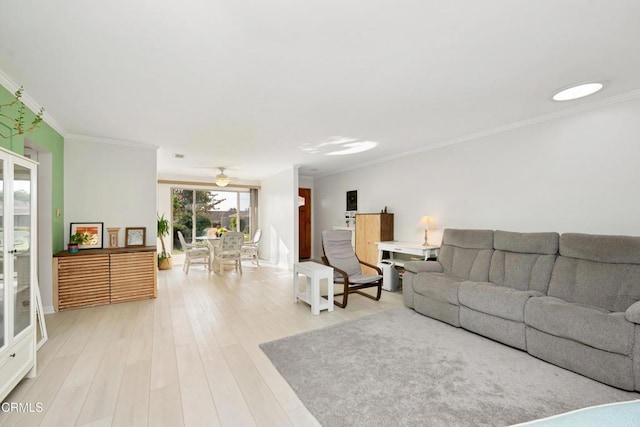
17 270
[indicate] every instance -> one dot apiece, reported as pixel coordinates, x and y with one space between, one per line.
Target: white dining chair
229 250
194 253
250 249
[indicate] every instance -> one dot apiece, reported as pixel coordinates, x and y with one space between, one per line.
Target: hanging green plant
17 123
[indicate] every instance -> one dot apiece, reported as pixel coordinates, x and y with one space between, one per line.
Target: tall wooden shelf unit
370 229
104 276
18 274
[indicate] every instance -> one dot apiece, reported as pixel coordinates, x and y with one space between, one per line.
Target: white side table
314 272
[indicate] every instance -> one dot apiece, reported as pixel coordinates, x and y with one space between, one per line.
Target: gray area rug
402 368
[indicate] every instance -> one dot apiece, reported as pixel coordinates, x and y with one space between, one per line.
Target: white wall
573 174
278 218
305 182
110 183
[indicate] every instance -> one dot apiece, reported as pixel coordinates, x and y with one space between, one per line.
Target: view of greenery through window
194 211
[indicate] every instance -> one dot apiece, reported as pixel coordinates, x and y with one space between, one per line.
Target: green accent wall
50 140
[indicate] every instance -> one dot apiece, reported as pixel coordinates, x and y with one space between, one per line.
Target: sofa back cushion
523 261
466 254
602 271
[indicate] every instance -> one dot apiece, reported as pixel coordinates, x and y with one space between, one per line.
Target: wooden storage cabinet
133 276
82 281
103 276
371 229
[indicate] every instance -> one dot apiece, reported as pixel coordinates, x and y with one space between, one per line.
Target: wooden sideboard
104 276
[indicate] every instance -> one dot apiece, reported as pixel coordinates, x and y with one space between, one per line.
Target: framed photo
135 236
352 200
94 230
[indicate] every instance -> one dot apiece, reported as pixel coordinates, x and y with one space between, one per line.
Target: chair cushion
503 302
228 254
197 251
523 261
526 243
597 270
339 252
588 325
601 248
610 286
360 279
471 239
437 286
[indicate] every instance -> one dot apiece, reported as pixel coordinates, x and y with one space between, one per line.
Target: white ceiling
247 85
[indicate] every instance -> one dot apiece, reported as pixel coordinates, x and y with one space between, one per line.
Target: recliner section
464 255
569 299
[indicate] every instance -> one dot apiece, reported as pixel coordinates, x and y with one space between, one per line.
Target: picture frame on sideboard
135 236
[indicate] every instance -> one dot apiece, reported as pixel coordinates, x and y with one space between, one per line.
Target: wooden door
304 219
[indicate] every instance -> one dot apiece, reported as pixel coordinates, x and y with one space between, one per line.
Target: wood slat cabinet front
133 276
81 281
103 276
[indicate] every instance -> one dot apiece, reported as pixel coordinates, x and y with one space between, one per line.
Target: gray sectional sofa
570 299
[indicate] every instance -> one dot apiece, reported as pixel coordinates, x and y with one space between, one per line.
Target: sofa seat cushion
437 286
500 301
359 279
584 324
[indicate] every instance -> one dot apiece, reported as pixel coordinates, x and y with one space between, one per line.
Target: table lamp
428 223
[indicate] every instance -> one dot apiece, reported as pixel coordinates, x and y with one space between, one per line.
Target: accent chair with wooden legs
339 254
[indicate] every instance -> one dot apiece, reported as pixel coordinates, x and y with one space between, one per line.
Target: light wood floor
189 357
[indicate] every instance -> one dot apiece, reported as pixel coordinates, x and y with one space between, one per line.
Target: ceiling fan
222 180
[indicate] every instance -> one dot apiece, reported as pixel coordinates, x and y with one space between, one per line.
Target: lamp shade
427 223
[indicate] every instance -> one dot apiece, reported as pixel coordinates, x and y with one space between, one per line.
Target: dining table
211 241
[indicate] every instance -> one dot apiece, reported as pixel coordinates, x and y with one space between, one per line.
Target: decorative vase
72 248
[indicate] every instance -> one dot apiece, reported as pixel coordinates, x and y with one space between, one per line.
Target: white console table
408 248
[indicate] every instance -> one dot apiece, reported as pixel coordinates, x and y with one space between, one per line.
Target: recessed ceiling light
578 91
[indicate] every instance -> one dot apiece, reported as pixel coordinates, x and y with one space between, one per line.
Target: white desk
408 248
314 272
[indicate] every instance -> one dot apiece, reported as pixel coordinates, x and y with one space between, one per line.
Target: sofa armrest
633 313
423 266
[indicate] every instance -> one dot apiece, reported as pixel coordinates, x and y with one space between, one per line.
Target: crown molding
207 184
617 99
111 141
12 87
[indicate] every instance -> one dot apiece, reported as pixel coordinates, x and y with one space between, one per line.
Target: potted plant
75 240
164 257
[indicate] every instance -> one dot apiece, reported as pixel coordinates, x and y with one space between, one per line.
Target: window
194 211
